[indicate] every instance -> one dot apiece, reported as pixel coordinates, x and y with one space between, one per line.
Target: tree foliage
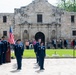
69 5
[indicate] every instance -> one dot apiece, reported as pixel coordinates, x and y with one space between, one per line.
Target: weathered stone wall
6 26
56 22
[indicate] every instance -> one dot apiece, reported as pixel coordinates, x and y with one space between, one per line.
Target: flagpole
11 39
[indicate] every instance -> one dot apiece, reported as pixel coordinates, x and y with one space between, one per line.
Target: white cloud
9 5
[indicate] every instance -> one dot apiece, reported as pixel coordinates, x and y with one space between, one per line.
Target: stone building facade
39 19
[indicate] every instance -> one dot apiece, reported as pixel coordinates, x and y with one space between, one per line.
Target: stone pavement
52 67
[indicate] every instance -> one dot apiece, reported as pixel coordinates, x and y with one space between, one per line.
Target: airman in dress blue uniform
5 47
19 49
41 54
36 50
1 52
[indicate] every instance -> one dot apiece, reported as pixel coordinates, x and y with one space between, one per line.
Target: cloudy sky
9 5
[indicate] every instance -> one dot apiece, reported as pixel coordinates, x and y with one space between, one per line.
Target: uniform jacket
36 47
5 45
19 48
1 48
41 51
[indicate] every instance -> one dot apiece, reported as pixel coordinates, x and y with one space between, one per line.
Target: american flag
11 36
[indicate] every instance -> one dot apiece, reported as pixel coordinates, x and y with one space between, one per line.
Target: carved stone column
29 31
58 31
49 32
21 32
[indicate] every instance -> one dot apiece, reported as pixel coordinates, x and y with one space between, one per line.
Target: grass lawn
50 53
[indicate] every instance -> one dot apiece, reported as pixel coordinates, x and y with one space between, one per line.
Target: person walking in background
41 54
72 44
61 44
58 43
27 44
34 43
54 43
65 43
30 44
19 49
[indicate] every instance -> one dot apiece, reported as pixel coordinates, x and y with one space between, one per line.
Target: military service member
5 47
19 48
41 54
1 52
36 50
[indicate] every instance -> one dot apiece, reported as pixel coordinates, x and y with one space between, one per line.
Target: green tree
69 5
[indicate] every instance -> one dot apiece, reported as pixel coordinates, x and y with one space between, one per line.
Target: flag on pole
11 36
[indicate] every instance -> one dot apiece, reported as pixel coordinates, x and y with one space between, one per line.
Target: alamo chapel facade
39 19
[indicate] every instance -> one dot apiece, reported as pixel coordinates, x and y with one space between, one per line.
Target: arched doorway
40 35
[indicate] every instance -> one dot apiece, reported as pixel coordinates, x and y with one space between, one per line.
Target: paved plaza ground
52 67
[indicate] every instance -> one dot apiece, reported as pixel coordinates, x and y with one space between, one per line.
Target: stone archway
40 35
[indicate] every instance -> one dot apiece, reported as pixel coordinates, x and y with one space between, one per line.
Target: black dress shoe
19 69
0 64
42 69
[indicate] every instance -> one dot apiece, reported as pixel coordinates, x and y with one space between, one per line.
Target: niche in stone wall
25 35
53 35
